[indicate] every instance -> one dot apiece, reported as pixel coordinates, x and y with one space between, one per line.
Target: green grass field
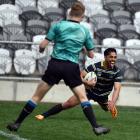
70 124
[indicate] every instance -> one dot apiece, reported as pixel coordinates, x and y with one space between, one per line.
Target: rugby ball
90 75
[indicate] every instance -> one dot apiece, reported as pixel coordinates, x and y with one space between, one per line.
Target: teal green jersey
69 38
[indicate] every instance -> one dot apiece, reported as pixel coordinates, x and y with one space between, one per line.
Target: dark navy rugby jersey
105 78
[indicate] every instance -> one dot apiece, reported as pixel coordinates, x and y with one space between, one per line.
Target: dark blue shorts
60 69
100 99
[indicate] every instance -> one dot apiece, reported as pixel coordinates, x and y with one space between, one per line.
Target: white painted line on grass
11 136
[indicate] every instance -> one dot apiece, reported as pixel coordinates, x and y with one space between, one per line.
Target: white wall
23 91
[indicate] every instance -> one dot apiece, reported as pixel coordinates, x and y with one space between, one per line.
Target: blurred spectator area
112 23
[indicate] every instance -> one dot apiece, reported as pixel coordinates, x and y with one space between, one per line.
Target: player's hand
90 83
112 108
111 105
41 50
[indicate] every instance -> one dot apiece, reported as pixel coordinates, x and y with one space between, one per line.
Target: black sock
28 108
87 109
54 110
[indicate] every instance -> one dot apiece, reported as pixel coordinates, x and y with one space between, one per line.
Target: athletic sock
28 108
54 110
87 109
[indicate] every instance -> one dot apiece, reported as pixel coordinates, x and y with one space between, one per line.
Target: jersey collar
74 21
104 66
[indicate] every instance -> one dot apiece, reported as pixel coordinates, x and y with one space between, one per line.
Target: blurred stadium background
24 23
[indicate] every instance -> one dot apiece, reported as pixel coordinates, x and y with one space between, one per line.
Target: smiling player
108 78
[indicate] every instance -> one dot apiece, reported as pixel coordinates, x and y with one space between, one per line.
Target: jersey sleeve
51 33
89 44
118 76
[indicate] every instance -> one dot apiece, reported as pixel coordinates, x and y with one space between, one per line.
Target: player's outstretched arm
112 103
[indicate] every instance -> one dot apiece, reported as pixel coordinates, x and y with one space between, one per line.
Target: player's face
111 59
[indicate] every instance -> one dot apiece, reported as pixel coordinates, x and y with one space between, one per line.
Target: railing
36 77
98 46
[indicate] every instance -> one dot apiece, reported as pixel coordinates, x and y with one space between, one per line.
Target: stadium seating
7 2
15 46
99 17
5 61
127 31
137 58
12 47
42 58
132 53
36 27
112 23
35 48
106 31
66 4
137 65
137 15
24 62
133 5
1 39
42 64
43 5
97 57
21 4
53 14
9 13
121 17
1 27
113 5
92 7
30 12
137 21
131 74
43 61
112 42
123 63
12 29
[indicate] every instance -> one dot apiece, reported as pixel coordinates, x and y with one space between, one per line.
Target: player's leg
103 105
102 101
30 105
79 91
71 102
50 78
72 78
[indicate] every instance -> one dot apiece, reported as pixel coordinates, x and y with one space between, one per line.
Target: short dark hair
109 50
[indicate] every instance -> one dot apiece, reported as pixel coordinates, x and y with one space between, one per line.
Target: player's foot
13 126
101 130
114 112
39 117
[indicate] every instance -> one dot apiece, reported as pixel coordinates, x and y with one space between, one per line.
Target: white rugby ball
90 75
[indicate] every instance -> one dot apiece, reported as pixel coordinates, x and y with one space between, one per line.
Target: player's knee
36 99
83 98
67 105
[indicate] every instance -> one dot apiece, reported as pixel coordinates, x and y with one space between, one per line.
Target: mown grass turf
71 124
